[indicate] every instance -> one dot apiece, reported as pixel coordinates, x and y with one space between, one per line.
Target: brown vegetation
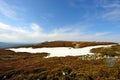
70 44
25 66
110 51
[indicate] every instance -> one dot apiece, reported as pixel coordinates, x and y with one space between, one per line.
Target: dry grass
69 44
25 66
33 66
110 51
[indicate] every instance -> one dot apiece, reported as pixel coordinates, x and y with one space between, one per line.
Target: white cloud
11 11
6 9
107 10
36 27
15 34
114 5
112 15
111 9
102 33
4 28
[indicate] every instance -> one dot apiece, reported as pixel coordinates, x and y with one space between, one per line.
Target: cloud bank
36 34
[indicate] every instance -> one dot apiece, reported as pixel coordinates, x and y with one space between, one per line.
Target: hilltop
70 44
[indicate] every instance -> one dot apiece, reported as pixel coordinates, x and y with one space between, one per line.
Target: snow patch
59 51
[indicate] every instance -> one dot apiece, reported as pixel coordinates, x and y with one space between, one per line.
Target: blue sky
31 21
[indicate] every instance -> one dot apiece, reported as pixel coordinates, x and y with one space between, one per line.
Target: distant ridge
6 45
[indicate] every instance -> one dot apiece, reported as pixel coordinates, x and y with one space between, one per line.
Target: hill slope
70 44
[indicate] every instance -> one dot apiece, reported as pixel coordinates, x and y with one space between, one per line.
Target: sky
33 21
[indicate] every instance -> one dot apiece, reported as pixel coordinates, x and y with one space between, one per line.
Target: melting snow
59 51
